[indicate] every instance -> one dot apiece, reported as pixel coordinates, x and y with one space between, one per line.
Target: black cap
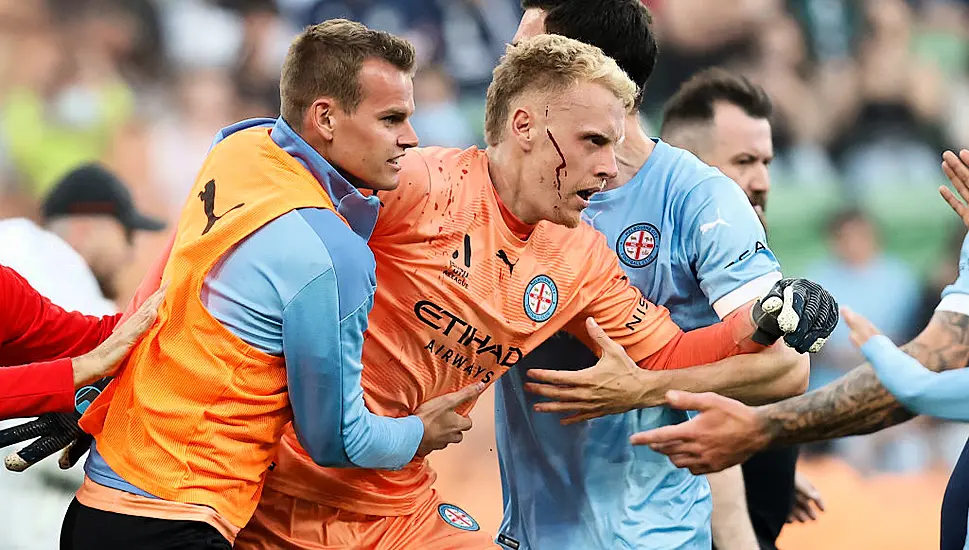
93 190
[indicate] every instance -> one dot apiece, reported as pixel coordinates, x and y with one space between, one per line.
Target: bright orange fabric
453 286
282 521
196 413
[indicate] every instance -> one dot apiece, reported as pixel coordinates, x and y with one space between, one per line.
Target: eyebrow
595 134
393 111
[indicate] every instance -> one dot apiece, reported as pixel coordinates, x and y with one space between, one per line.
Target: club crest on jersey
638 245
541 298
83 398
456 517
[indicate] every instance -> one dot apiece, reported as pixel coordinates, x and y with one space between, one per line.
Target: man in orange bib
481 256
270 285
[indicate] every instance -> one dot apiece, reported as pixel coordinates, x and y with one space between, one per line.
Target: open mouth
586 194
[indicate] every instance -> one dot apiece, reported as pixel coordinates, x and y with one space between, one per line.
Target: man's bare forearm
754 378
857 403
730 520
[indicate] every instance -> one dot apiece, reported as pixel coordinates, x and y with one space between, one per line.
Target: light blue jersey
940 394
689 240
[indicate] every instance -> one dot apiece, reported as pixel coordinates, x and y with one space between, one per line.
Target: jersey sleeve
938 394
35 329
955 297
400 208
626 316
323 331
726 245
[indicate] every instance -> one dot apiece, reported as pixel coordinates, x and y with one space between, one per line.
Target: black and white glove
52 432
801 311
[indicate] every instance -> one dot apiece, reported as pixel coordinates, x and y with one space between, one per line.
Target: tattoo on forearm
857 403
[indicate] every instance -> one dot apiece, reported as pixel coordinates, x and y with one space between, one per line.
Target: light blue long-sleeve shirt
302 287
940 394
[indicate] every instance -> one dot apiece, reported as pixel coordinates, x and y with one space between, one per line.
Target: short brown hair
696 99
325 60
550 63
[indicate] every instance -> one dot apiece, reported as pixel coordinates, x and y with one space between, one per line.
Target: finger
696 465
465 395
861 329
815 497
957 206
558 377
23 432
73 454
963 166
36 451
463 423
664 435
599 336
558 393
583 417
788 319
669 448
689 401
956 173
957 165
563 407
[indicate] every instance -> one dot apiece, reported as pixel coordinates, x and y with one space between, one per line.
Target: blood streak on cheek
561 167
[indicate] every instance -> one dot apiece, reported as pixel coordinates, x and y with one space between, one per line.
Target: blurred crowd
867 94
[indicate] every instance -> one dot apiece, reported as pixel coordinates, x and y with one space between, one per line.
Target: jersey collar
359 211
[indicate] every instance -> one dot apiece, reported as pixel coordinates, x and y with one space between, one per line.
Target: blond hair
325 60
549 63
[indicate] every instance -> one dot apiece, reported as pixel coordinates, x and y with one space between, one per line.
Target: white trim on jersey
749 291
956 303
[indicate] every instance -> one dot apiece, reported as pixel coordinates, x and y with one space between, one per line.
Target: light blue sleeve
957 294
942 395
323 332
725 241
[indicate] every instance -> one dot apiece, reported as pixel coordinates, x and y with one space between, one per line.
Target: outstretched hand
615 384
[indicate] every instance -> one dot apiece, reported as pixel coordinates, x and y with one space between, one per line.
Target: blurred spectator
438 119
696 34
73 261
204 101
71 102
90 222
265 39
801 122
861 276
882 288
419 21
895 130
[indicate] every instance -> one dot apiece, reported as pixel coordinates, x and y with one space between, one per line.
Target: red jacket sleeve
34 329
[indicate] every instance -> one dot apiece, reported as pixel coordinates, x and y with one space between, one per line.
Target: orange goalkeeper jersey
460 299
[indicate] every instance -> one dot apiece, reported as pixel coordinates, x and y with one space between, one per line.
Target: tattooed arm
858 403
728 432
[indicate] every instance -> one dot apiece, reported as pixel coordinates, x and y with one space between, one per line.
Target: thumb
466 394
688 401
599 336
861 328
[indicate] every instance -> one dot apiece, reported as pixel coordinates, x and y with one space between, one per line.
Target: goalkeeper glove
800 311
52 432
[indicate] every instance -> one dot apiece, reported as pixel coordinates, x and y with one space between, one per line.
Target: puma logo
504 257
719 221
207 196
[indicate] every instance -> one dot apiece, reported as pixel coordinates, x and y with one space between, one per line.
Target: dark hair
843 217
695 100
620 28
325 61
